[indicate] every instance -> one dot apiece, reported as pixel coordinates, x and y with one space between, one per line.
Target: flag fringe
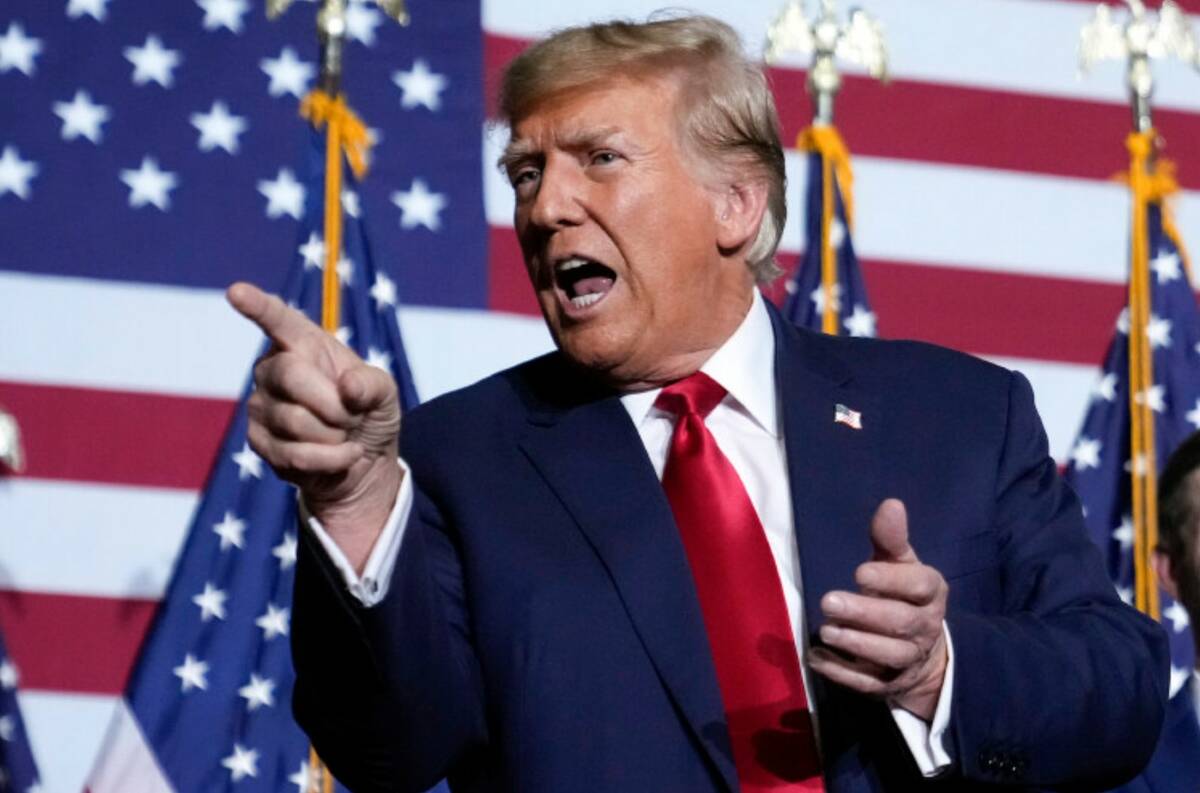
835 160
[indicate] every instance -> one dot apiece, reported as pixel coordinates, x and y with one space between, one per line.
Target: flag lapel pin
844 415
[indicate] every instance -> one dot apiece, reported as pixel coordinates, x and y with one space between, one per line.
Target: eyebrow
519 150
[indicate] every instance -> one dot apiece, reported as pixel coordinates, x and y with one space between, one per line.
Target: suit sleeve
1065 682
390 695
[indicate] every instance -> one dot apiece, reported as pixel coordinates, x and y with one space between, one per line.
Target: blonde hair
727 111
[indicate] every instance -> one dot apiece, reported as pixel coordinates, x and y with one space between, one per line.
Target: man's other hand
887 640
324 420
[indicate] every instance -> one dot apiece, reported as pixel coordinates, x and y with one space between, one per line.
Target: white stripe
1027 46
125 761
122 541
65 731
977 218
190 342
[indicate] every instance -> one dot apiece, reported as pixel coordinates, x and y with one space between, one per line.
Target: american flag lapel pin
844 415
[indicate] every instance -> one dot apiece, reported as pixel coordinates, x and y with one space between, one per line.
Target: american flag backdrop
150 153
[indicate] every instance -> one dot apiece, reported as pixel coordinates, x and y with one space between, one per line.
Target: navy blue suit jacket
542 632
1175 766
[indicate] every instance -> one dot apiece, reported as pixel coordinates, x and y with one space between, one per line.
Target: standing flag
1148 398
208 704
827 292
18 771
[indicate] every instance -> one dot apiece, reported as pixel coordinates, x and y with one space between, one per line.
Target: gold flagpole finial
1139 40
331 31
860 40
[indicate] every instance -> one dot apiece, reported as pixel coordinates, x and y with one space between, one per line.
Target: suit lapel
833 471
592 457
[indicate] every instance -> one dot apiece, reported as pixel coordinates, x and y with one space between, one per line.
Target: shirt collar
744 365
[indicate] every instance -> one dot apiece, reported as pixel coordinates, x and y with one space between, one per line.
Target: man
695 549
1175 765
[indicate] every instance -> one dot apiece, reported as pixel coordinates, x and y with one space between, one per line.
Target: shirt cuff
373 585
927 742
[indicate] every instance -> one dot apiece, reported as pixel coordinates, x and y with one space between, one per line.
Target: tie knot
697 393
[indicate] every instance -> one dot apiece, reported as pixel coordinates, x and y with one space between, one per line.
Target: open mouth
583 281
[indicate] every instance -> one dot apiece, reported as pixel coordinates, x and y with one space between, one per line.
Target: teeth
571 264
583 301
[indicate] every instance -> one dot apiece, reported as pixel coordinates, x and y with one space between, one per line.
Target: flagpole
345 135
859 40
1137 41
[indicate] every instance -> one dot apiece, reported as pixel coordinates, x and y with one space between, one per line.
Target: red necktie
749 632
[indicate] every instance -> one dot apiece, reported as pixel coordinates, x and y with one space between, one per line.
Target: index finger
286 326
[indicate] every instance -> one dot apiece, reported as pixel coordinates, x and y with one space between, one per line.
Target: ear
740 209
1166 576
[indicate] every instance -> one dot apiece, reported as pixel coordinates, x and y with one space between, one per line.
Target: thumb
889 533
364 388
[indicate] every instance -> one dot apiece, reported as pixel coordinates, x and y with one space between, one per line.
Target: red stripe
116 437
957 125
1190 6
73 643
986 313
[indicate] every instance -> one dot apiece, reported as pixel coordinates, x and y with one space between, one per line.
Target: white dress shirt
746 426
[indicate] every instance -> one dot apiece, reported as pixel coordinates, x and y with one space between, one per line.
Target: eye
604 157
524 176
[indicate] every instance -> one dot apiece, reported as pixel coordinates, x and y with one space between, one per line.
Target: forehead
638 105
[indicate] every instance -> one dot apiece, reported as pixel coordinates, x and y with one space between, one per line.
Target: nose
559 200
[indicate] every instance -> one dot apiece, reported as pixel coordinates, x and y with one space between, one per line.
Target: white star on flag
305 780
15 173
223 14
191 674
211 602
837 233
379 359
8 675
313 252
361 21
350 203
861 322
1086 453
384 293
1123 321
82 117
258 692
242 763
285 196
1178 616
1193 415
1106 387
17 50
1158 331
249 464
1124 533
289 74
149 184
285 551
231 530
274 622
419 206
1153 396
1135 465
343 334
420 85
96 9
1125 593
818 298
1166 266
8 728
1179 678
218 127
153 62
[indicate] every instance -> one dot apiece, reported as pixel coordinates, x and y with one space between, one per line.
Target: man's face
619 234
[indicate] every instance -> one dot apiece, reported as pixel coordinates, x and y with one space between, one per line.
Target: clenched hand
887 640
324 420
